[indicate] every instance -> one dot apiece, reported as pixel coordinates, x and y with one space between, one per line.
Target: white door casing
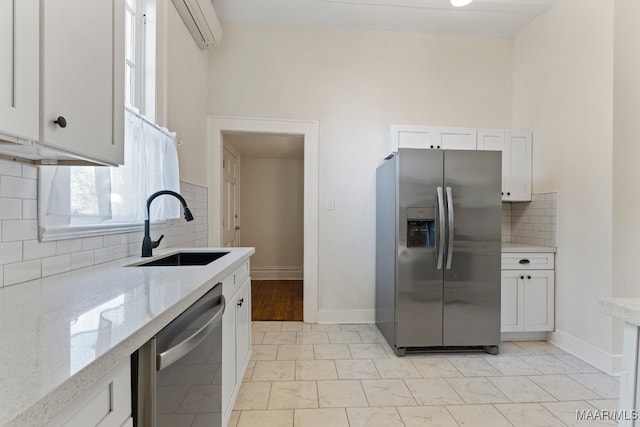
230 197
309 130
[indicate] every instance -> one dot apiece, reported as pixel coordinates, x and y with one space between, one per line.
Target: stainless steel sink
184 258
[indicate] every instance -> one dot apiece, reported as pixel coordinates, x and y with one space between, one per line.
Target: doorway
263 195
218 126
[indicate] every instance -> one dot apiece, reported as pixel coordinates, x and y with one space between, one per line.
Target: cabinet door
539 300
243 328
518 174
456 139
19 78
416 137
83 77
512 302
493 140
228 355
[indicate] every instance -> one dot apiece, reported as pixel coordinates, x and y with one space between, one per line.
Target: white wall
626 152
271 212
357 83
563 82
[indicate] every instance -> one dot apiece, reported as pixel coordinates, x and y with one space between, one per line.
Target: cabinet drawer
231 284
527 261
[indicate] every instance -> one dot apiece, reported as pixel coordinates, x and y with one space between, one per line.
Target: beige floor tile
271 418
369 337
344 337
326 328
296 327
539 347
387 393
396 368
279 338
605 404
272 370
263 326
253 396
368 351
423 416
510 349
356 327
478 416
327 417
356 369
293 395
313 337
579 365
374 417
433 391
511 366
474 367
521 389
264 352
601 384
435 367
256 337
249 372
331 351
563 388
341 394
567 412
316 370
528 415
477 390
549 364
233 419
295 352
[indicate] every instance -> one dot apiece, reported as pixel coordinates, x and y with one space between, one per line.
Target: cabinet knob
237 227
502 193
432 146
61 121
524 261
522 277
438 146
240 302
528 277
508 194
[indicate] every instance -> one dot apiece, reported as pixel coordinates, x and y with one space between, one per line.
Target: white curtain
75 195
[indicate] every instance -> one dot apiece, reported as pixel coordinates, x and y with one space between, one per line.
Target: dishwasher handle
176 352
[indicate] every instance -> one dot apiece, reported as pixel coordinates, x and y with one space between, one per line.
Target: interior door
472 269
230 198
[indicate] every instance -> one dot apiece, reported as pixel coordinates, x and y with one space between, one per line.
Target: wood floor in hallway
276 300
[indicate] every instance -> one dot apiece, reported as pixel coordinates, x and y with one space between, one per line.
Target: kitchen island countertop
60 334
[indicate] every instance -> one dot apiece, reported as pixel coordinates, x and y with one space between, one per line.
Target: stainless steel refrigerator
438 240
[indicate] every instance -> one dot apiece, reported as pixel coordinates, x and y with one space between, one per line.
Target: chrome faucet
147 243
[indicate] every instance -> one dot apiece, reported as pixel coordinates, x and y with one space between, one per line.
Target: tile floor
347 375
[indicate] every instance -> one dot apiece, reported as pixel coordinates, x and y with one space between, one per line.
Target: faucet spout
147 243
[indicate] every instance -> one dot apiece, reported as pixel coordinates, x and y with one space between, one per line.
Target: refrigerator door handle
451 227
441 229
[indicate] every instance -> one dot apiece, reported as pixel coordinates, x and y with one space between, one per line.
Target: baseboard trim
347 316
607 362
277 273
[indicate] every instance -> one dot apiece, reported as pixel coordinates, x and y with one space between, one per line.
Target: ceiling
490 18
266 145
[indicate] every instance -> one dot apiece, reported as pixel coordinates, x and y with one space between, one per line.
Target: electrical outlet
331 204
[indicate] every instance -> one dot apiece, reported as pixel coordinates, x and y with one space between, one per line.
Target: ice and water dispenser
421 227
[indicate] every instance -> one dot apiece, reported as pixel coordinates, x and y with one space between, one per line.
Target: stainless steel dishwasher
178 380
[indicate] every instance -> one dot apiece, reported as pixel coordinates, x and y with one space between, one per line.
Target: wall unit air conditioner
201 21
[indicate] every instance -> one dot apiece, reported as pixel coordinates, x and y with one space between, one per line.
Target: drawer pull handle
524 261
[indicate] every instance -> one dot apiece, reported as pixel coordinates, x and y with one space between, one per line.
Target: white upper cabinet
429 137
516 160
19 34
82 66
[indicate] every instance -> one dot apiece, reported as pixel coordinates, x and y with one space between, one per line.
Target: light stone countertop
60 334
518 247
627 309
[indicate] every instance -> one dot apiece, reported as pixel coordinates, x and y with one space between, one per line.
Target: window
82 201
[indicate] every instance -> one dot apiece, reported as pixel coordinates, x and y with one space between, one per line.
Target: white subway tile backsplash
19 229
10 252
22 188
33 249
534 223
10 208
22 272
56 265
23 257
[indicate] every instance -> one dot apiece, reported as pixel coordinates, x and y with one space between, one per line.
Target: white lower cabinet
527 302
106 404
236 336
